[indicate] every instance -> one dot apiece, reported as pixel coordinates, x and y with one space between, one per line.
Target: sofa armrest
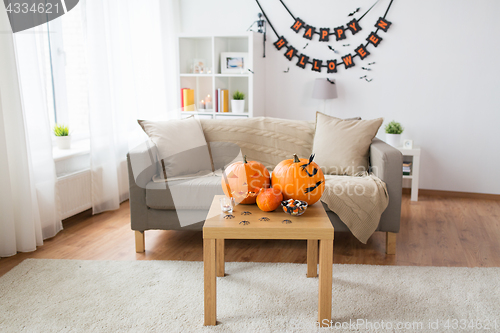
386 163
142 165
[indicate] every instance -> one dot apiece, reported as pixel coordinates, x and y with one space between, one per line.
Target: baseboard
469 195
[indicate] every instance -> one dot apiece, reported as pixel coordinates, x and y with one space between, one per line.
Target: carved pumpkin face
269 199
299 179
244 180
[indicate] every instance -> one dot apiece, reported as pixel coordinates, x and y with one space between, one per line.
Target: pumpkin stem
295 158
245 159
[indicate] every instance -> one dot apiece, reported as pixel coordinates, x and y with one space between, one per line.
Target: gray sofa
153 206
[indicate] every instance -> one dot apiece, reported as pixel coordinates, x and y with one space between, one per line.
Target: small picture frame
234 63
408 144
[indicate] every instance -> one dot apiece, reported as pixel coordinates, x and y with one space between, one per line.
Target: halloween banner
330 65
324 33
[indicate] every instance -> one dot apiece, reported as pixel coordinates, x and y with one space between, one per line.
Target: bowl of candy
294 207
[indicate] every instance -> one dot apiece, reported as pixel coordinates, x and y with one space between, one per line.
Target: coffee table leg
210 282
312 257
325 282
219 248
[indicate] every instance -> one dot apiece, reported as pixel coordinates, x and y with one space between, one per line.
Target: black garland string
347 60
339 32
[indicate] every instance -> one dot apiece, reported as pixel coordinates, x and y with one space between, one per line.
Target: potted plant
393 132
238 102
63 139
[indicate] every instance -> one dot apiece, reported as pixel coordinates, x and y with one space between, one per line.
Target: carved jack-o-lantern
243 180
299 179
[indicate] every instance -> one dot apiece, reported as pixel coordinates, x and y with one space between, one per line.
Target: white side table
415 170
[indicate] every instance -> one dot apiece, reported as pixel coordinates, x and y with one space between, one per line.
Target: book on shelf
225 100
221 100
216 100
406 168
187 103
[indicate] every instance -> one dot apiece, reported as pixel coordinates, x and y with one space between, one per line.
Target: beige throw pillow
181 144
342 146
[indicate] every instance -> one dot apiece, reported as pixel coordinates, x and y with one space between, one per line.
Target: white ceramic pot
393 139
63 142
238 106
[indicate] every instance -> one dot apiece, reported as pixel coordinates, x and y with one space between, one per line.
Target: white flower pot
238 106
393 139
63 142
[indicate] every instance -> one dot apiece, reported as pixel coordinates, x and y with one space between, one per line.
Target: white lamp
324 89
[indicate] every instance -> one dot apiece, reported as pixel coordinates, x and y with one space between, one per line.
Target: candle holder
226 204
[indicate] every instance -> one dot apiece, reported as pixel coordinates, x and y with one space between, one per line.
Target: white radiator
74 193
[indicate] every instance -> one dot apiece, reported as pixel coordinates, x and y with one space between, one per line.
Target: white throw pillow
181 144
342 146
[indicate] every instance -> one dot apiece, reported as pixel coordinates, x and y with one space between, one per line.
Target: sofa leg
390 243
139 241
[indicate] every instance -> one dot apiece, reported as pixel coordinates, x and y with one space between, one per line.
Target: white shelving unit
209 49
415 169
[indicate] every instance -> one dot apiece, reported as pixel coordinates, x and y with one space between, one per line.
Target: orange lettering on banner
297 25
315 67
302 61
362 53
309 32
324 34
290 54
353 26
374 39
382 25
340 32
348 60
280 44
331 65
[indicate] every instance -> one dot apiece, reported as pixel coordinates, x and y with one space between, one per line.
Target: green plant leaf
394 128
61 130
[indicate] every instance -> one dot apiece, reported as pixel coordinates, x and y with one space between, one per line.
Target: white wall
437 72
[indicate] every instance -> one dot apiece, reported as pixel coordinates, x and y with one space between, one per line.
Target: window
66 73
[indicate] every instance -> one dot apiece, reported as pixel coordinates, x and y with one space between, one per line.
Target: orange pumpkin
244 180
299 179
269 199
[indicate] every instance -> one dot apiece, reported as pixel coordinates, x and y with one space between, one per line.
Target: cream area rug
42 295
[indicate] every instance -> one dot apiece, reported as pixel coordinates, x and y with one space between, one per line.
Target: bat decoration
346 45
305 46
354 12
229 217
312 188
371 63
251 71
245 222
366 69
286 221
288 69
363 77
264 219
331 48
246 213
332 82
370 80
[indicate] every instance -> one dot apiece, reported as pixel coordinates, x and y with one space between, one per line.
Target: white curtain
28 200
130 47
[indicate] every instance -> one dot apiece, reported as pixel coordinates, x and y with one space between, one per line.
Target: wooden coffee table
249 222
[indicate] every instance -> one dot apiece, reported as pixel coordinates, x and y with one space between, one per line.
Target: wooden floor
435 231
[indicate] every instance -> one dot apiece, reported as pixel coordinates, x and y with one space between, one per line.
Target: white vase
63 142
238 106
393 139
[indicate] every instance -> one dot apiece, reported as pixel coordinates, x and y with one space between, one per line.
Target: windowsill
81 147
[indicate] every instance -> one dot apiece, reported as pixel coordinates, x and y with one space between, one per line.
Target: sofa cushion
181 145
263 139
342 146
195 193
